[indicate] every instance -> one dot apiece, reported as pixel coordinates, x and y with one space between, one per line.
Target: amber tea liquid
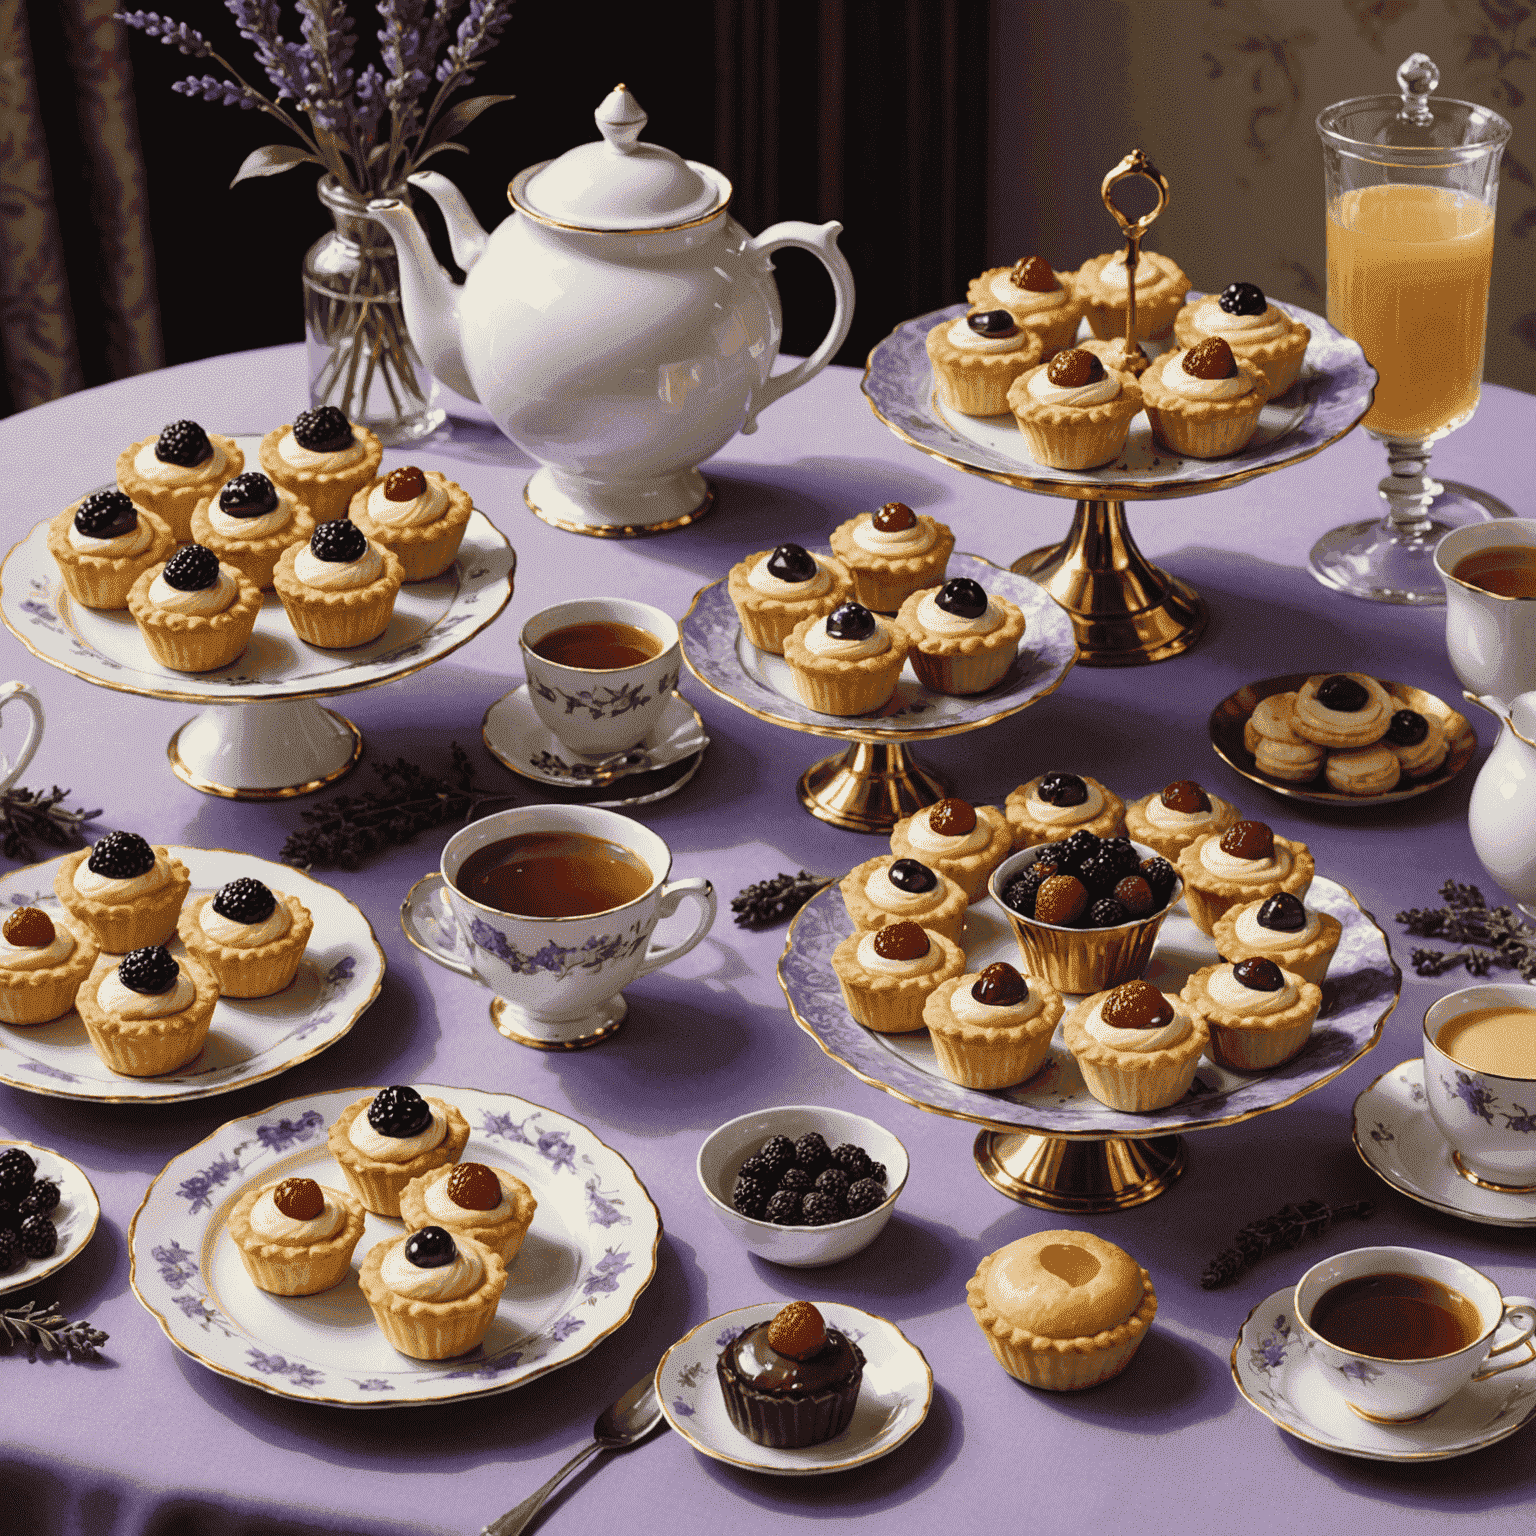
553 874
1506 570
1396 1317
599 646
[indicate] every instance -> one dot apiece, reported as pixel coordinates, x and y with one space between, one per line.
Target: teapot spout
428 295
466 238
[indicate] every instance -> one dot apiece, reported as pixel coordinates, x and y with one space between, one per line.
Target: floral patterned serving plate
1360 991
251 1038
894 1396
1275 1369
589 1254
74 1218
1397 1138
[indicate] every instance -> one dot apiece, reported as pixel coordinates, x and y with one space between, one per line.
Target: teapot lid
619 183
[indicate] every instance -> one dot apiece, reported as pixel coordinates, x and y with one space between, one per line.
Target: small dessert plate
665 761
74 1218
1275 1369
1227 741
894 1395
1398 1139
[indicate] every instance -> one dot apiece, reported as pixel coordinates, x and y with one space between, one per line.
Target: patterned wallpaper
1222 95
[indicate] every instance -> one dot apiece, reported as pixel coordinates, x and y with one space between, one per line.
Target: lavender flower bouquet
368 129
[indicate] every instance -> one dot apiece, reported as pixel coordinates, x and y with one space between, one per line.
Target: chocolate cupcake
791 1381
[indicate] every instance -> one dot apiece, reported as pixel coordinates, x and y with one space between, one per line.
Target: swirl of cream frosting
211 468
415 513
21 957
819 643
338 575
442 1207
226 931
1212 320
1252 934
293 453
1064 815
876 964
967 1010
1177 382
269 1222
964 339
134 542
1226 991
1139 1040
88 883
396 1149
1010 296
201 604
761 579
245 529
891 898
447 1282
924 839
939 621
1227 866
1170 820
1150 267
906 541
1041 389
124 1003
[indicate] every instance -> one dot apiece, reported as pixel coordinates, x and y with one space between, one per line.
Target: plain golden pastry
339 589
433 1295
146 1012
1369 770
42 963
1283 929
384 1141
1339 710
1245 863
1103 284
992 1028
1253 327
1204 403
249 936
1136 1047
1074 412
1258 1015
195 613
494 1207
1172 819
296 1237
964 841
886 976
125 891
890 553
977 357
171 473
963 639
1056 804
1042 301
103 544
323 459
847 662
887 890
1293 761
419 514
248 523
776 589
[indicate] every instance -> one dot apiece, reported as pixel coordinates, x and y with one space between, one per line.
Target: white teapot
620 326
1501 815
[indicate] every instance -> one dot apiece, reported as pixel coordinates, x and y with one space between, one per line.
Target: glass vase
361 358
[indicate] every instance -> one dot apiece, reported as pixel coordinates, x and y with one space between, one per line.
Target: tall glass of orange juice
1411 185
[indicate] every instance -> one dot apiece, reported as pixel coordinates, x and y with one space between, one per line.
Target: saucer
74 1217
1274 1368
894 1395
519 740
1399 1140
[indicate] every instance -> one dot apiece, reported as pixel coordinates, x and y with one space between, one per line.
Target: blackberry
812 1152
106 515
431 1248
796 1180
877 1173
864 1195
780 1152
121 856
1107 913
193 568
819 1210
1243 299
17 1168
10 1251
245 901
1100 874
1020 894
760 1168
322 430
834 1182
853 1160
783 1209
1160 875
38 1237
10 1215
749 1197
151 971
43 1199
248 495
399 1111
338 542
184 443
1123 851
1078 849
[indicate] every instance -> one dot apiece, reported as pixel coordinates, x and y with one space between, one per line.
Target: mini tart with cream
846 662
395 1135
195 613
1074 412
887 975
171 473
1253 327
126 892
146 1012
890 553
776 589
1279 928
1136 1047
1204 402
1043 302
963 638
889 890
419 514
322 459
1103 284
296 1237
339 589
976 358
1258 1015
1341 710
249 523
103 544
1248 862
472 1200
1062 1310
433 1294
1173 818
964 841
1054 805
992 1028
250 937
43 960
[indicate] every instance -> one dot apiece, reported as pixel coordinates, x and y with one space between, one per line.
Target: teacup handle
9 773
428 921
701 891
1512 1306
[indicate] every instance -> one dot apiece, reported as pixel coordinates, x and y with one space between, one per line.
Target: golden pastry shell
1008 633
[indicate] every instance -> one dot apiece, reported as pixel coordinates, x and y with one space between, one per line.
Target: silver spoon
621 1424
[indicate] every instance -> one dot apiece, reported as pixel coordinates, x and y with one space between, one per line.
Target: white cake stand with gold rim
262 734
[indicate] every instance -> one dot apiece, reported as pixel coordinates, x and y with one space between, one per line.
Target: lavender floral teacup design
558 980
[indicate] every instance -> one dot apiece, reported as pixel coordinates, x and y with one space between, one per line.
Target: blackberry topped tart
339 589
249 523
171 473
195 613
384 1141
322 458
1058 803
125 891
147 1012
1253 327
846 662
250 937
791 1381
103 543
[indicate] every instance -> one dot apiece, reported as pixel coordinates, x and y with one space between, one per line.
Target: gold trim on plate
281 792
619 530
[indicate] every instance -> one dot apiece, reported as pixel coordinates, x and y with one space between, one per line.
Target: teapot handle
821 241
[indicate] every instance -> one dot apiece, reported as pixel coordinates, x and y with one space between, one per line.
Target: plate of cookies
381 1247
1341 738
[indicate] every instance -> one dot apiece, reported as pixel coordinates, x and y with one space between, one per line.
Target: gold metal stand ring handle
1135 164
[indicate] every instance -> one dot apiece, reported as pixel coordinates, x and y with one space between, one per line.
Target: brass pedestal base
868 788
1124 610
1079 1177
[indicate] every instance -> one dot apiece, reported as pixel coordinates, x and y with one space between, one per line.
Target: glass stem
1408 490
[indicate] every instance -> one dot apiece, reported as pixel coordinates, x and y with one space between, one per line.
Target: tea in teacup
600 646
1396 1317
553 874
1506 570
1500 1040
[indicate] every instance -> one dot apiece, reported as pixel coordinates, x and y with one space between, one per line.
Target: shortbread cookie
1293 761
1340 710
1363 770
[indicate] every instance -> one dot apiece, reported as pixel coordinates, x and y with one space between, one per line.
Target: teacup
11 771
1387 1389
606 703
558 980
1490 639
1488 1117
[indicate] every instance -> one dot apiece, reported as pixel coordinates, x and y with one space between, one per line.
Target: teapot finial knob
621 119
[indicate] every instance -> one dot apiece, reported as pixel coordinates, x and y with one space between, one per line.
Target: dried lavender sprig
1290 1225
46 1328
174 34
771 902
1467 919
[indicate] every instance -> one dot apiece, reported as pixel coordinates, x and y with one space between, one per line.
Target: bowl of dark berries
1086 911
802 1184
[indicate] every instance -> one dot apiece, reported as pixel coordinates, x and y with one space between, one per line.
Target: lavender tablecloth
149 1442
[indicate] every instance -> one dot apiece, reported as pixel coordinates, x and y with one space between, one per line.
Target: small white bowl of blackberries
802 1184
27 1205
